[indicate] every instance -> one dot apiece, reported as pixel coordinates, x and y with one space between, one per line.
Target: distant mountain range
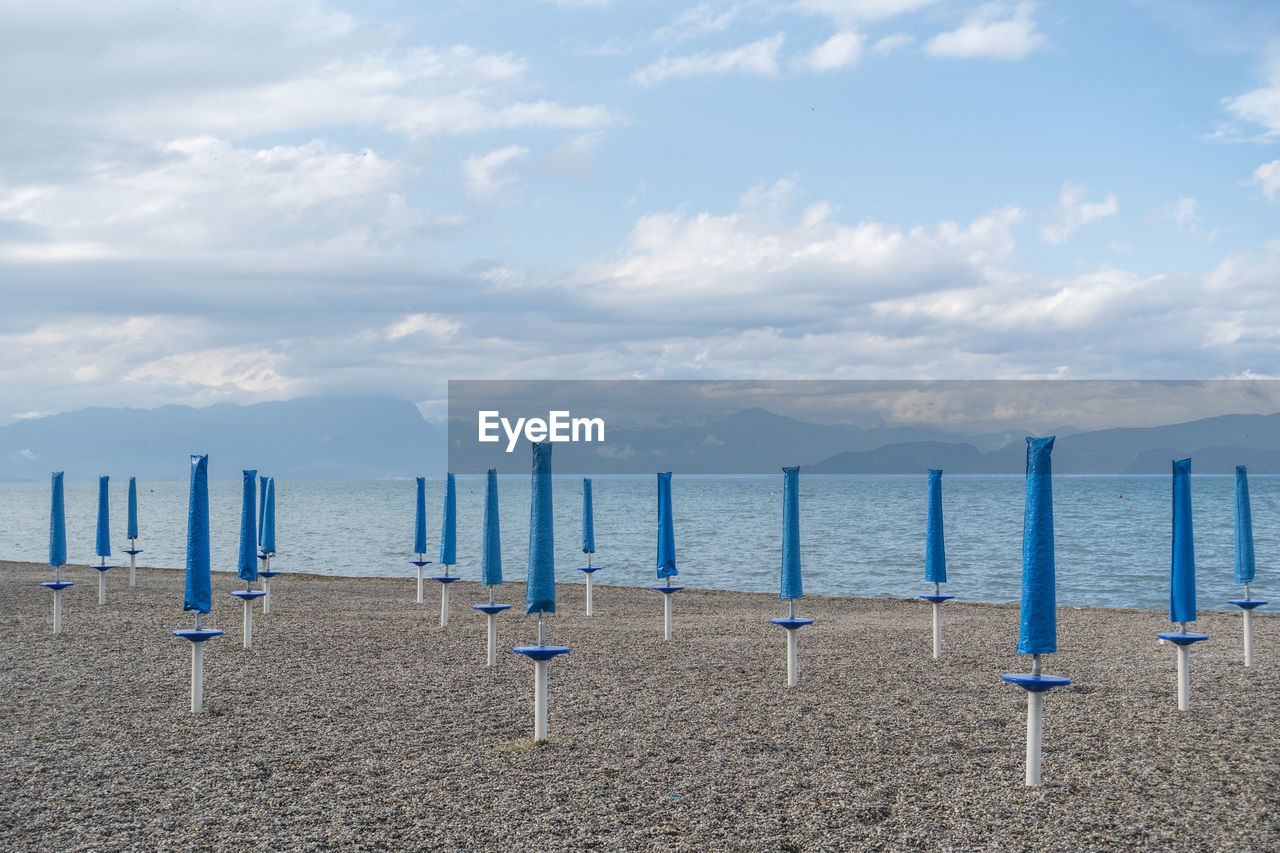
383 437
332 438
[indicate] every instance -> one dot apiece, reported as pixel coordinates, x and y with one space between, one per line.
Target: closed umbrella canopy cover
104 520
449 526
1244 529
791 583
491 547
1038 632
1182 571
420 519
57 524
132 531
588 519
248 563
268 533
666 529
262 508
935 555
199 591
541 591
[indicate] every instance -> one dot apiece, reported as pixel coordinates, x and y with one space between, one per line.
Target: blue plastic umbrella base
103 568
590 569
490 609
541 652
1246 603
268 573
447 578
419 563
248 594
937 599
198 635
1182 638
1035 683
132 551
791 624
667 590
58 585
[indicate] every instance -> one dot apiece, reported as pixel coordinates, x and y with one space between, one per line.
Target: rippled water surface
860 536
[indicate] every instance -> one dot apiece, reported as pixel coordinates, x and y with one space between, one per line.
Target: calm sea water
861 536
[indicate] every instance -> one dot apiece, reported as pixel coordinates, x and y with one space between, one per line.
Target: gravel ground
357 723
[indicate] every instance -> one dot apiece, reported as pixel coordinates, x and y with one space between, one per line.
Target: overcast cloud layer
238 201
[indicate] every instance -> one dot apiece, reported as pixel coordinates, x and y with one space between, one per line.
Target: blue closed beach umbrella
247 566
448 545
198 596
1182 580
420 519
588 519
1182 570
491 547
199 590
792 587
449 525
262 507
132 532
491 562
57 549
666 529
104 520
57 525
588 542
1038 633
540 596
268 533
1244 561
935 558
666 551
420 532
103 547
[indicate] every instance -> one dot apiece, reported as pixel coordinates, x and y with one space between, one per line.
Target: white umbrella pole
102 588
1184 677
792 677
589 591
197 677
540 699
419 580
133 563
266 599
937 630
248 623
444 603
1248 637
1035 733
493 639
57 611
666 616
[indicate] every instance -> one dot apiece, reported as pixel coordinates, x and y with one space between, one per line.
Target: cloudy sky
242 201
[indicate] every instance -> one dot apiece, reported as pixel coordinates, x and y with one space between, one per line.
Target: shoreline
356 722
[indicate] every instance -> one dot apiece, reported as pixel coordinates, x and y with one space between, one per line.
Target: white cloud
433 325
840 51
1072 212
1182 211
758 58
890 43
1267 176
481 170
700 20
860 10
1260 106
987 33
252 370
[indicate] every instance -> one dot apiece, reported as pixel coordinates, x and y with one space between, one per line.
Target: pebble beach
357 723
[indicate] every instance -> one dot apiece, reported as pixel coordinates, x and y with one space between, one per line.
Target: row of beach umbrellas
1037 630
